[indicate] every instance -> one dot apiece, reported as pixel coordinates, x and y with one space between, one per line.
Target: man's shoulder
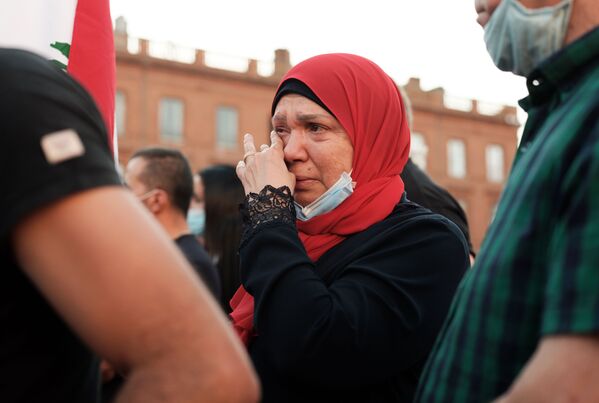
199 259
191 247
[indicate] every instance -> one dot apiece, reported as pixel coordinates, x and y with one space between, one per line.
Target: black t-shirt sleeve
30 179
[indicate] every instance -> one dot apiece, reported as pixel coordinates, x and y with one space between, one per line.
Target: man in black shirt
162 180
71 280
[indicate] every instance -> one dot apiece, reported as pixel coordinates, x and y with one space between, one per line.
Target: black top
358 325
41 360
421 189
199 259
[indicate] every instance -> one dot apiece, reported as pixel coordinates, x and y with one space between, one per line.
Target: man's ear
159 202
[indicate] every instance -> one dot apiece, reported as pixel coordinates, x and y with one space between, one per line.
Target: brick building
177 97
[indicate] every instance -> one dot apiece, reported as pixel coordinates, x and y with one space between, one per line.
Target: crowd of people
324 266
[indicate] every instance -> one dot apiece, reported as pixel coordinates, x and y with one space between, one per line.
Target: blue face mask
329 200
196 220
519 39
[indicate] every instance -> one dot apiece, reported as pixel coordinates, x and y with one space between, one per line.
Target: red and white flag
76 34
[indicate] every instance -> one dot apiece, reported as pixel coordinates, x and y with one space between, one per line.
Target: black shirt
421 189
41 360
358 325
199 259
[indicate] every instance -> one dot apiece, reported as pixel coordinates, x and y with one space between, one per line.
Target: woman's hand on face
265 166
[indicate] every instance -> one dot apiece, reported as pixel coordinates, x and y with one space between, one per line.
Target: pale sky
436 40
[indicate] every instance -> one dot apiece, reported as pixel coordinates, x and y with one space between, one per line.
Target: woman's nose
294 148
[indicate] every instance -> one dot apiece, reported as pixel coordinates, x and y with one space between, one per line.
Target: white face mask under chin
519 39
327 201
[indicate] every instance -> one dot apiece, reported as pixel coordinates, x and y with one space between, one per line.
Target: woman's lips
303 183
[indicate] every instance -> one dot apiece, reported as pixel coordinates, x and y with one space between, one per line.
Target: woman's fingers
264 167
249 148
248 143
276 142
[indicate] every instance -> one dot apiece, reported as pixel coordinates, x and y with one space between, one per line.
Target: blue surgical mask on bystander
519 38
196 220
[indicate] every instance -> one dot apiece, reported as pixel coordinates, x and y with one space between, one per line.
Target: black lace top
270 206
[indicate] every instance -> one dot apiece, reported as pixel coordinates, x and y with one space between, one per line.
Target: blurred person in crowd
85 270
196 215
345 282
524 326
161 179
223 194
421 189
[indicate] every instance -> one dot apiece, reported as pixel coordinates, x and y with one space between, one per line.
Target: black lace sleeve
270 206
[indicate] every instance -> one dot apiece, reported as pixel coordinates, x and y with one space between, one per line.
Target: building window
120 106
227 123
456 158
494 158
171 119
419 150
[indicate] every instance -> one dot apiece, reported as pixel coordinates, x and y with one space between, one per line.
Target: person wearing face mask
345 282
196 220
196 215
161 178
524 326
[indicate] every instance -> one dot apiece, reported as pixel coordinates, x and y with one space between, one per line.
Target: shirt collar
558 71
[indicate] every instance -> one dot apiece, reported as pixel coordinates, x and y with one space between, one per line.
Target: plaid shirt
537 273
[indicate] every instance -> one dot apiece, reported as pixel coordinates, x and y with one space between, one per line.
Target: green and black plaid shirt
537 273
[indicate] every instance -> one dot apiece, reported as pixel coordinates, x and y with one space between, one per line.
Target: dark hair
169 170
295 86
223 193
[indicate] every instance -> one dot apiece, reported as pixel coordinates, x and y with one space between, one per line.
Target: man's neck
174 223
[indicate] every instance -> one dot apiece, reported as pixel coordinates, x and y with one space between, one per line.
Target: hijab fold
368 105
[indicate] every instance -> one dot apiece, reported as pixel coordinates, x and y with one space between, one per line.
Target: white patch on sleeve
62 145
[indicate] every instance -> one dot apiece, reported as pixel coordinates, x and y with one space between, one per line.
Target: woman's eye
281 131
313 127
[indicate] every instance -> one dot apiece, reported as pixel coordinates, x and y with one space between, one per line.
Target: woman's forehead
298 105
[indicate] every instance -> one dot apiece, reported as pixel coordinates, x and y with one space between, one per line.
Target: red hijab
368 105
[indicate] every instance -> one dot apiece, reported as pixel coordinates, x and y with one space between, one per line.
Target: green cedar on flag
76 35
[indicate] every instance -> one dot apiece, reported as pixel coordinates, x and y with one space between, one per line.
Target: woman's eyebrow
279 117
309 117
303 118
